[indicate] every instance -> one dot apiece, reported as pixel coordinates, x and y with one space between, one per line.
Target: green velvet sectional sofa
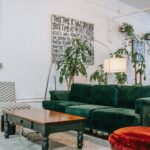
106 107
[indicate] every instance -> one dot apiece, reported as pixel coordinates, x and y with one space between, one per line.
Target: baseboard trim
29 100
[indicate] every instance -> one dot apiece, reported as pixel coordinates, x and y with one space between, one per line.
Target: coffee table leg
7 130
2 123
45 143
80 139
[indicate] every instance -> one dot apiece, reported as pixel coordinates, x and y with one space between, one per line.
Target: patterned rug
29 140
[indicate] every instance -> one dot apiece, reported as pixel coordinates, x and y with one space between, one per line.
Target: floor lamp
47 81
103 44
115 65
51 65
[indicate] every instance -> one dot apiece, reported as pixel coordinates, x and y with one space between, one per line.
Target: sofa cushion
105 95
59 105
127 95
50 104
83 110
123 116
81 93
143 91
59 95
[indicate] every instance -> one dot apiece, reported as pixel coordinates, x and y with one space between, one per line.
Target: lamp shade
114 65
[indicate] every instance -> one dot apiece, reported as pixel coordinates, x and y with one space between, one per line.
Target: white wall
25 36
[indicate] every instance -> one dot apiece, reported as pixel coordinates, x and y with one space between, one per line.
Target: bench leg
2 123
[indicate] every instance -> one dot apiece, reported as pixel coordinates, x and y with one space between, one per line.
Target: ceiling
138 3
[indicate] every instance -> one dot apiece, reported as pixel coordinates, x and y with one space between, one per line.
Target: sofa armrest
142 106
59 95
146 115
140 102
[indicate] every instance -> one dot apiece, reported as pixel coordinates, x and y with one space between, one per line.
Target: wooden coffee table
45 122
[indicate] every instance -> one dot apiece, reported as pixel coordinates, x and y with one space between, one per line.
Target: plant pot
147 36
122 29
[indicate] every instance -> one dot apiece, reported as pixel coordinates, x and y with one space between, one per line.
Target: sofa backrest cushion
105 95
127 96
81 93
59 95
143 91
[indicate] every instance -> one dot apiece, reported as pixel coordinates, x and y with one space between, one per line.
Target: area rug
30 140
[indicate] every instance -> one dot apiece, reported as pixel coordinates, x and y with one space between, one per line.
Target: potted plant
147 36
139 67
74 61
99 75
127 28
121 52
121 78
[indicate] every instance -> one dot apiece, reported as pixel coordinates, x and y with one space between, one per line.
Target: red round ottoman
131 138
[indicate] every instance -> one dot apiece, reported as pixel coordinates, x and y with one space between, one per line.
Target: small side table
131 138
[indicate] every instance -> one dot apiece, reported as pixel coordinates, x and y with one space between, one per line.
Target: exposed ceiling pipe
101 5
132 13
123 15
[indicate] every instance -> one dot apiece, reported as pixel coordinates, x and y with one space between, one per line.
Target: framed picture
138 47
65 29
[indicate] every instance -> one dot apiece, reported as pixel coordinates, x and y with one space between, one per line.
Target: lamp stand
47 81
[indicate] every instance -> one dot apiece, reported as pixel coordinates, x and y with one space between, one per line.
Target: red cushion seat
131 138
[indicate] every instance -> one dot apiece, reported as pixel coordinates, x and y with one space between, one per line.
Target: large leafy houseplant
99 75
74 61
129 32
138 66
127 29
